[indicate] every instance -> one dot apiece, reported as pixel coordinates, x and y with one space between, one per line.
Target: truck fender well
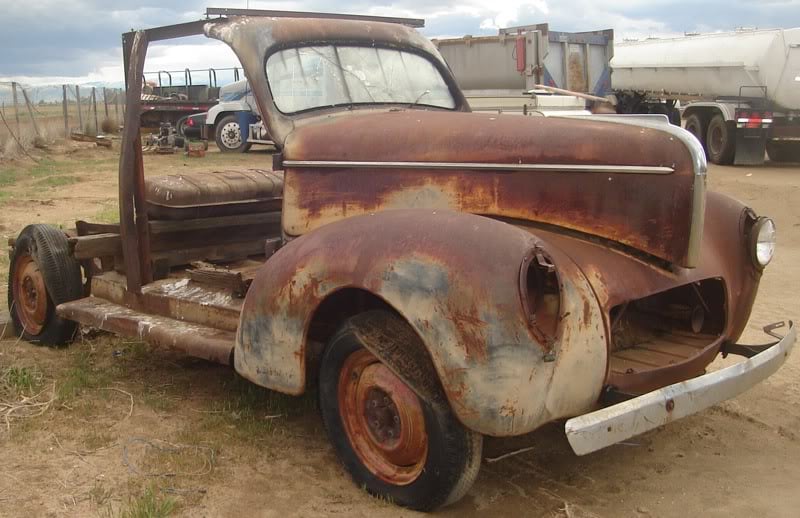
454 278
709 108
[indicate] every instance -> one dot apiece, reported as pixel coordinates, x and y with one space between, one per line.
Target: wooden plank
230 252
220 278
96 245
263 218
82 137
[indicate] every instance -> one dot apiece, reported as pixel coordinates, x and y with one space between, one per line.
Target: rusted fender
455 278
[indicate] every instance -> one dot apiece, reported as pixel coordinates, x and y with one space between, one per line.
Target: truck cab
436 275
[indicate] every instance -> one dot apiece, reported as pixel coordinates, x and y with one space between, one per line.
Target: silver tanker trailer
739 91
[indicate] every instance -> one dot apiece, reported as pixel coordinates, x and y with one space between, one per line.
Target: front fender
454 277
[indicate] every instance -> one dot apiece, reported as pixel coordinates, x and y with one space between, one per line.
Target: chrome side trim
478 166
700 169
596 430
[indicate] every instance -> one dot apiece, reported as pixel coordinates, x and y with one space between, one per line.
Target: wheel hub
30 295
231 136
383 418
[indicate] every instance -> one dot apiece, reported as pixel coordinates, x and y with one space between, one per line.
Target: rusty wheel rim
30 295
383 419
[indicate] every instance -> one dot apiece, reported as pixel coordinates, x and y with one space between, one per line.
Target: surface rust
497 377
649 212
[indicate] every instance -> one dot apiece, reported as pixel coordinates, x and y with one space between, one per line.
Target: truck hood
637 183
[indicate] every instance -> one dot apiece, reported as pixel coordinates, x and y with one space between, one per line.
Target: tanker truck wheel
720 141
695 126
42 275
783 151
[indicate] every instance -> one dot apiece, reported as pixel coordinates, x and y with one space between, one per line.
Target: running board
192 339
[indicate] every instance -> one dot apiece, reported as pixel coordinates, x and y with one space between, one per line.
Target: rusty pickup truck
436 275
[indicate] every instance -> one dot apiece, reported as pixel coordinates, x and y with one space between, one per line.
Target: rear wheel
42 274
720 141
229 136
695 126
393 443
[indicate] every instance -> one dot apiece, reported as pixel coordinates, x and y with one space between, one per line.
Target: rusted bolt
670 405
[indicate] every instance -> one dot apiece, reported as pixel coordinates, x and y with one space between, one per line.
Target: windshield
313 77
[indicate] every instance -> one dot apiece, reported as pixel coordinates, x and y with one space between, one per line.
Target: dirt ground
108 427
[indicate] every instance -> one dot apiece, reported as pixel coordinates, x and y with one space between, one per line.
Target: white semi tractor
739 92
236 109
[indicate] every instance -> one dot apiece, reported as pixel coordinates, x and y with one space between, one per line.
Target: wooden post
133 223
66 113
94 107
105 100
16 109
30 112
80 114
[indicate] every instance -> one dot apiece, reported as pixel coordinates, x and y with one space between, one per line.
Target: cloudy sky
54 41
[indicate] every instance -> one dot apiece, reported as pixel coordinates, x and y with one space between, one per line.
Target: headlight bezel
761 224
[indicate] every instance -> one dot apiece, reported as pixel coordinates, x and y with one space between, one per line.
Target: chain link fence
36 116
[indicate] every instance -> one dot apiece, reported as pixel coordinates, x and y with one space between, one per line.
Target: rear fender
455 278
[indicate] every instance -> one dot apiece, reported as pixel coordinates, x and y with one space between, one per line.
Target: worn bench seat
217 193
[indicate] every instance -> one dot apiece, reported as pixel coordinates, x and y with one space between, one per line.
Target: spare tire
42 275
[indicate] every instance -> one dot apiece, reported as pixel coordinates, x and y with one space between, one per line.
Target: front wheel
229 136
394 444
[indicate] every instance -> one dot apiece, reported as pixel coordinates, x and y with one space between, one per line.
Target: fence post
116 108
94 105
105 100
14 97
80 115
30 112
66 114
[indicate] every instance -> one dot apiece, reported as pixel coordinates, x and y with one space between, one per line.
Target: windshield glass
313 77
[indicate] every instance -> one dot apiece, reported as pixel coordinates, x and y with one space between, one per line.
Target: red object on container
520 53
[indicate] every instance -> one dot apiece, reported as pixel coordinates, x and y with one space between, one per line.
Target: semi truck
519 69
738 92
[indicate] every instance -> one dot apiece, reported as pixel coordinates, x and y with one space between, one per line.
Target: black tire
182 125
453 455
783 151
227 142
697 127
720 141
61 273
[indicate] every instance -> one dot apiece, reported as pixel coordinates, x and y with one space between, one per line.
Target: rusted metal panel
649 212
251 38
192 339
498 379
180 299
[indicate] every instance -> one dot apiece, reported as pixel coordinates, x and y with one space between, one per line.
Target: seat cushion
217 193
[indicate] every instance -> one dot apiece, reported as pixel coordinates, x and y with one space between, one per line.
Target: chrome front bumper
596 430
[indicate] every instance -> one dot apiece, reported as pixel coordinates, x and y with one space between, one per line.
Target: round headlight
763 241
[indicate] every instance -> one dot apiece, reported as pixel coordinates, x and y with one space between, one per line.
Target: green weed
22 380
148 505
